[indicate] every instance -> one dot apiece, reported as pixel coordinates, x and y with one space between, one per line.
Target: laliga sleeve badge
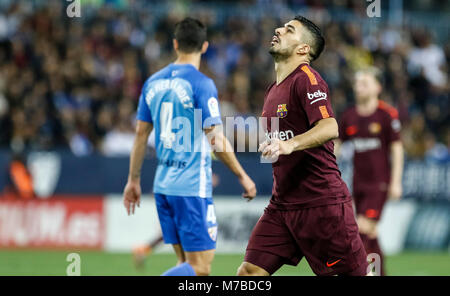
213 106
396 125
282 111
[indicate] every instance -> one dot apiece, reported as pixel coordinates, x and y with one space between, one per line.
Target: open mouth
275 40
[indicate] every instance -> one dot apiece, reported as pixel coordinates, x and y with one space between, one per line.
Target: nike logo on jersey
333 263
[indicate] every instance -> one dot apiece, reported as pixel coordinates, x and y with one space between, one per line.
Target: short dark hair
318 42
190 34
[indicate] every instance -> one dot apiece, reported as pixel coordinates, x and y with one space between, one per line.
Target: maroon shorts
369 201
327 236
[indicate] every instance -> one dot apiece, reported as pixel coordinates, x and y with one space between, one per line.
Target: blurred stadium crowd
74 82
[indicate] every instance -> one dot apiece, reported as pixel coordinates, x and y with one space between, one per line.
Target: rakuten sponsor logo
316 96
54 224
366 144
281 135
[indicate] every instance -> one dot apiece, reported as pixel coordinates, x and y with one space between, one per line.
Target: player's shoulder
160 74
350 112
387 109
309 76
202 78
202 83
270 87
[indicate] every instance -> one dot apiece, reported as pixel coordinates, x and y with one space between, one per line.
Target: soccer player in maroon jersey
373 127
310 213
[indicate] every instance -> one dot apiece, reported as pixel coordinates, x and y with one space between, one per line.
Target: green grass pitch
27 262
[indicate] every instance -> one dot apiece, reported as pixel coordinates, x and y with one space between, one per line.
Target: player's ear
303 49
205 46
175 44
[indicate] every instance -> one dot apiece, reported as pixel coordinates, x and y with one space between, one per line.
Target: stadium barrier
58 223
236 219
63 173
67 215
70 222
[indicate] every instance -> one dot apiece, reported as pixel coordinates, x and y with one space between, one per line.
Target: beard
282 53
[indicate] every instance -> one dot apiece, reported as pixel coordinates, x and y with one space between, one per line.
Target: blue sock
184 269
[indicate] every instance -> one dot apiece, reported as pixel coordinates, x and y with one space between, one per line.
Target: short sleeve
394 127
206 94
314 98
143 111
342 124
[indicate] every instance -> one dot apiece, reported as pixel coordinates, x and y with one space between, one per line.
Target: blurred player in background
374 128
171 100
310 213
19 183
140 253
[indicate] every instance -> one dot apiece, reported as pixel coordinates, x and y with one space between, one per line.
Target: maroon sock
372 246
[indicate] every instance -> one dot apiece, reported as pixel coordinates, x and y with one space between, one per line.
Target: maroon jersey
309 177
371 136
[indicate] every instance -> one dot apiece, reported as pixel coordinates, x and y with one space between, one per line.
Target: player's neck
189 58
286 66
367 107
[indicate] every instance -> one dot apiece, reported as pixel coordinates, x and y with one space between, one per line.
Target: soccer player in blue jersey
181 104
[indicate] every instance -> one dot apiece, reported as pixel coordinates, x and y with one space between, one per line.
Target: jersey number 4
211 215
166 135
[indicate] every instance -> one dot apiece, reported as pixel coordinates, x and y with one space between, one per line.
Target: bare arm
323 131
395 186
224 151
132 191
143 130
337 147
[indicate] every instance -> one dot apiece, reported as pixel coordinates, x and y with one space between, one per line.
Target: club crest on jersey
374 128
212 231
282 111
